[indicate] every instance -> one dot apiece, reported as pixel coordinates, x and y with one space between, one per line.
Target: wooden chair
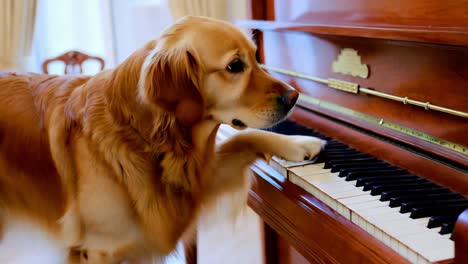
72 59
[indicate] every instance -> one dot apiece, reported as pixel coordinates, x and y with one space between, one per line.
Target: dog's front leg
235 154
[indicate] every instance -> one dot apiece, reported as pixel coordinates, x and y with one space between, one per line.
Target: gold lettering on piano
349 63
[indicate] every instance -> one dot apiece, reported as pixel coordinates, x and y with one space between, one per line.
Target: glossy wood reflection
428 21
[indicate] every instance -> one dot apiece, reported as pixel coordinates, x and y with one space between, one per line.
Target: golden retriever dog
117 167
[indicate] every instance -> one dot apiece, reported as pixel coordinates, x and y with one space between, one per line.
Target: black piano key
347 171
331 158
330 150
378 189
340 152
379 186
379 173
320 158
387 195
408 206
437 221
351 160
330 163
334 145
288 127
436 210
396 201
346 156
372 180
338 167
331 153
447 227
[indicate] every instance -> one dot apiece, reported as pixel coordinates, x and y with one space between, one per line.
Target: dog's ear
170 79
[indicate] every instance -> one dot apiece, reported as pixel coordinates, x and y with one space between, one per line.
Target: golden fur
118 166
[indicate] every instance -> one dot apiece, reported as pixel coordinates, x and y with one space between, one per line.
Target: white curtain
221 9
136 22
64 25
17 18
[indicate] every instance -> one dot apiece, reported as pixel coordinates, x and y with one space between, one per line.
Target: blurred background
33 31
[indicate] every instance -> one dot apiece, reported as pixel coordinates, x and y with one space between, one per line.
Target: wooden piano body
415 51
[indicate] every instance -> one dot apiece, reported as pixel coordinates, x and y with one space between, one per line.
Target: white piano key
309 169
383 212
318 184
304 184
394 244
365 197
378 234
422 260
347 194
432 246
361 206
415 236
399 228
402 250
388 231
344 211
291 164
315 179
412 256
336 186
279 168
339 188
385 238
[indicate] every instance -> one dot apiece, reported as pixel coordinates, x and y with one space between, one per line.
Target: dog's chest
105 209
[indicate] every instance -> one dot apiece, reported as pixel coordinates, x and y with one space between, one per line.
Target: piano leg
270 244
277 250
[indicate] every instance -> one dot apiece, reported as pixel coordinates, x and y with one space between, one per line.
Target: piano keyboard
408 213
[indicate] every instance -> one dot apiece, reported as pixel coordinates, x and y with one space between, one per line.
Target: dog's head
206 68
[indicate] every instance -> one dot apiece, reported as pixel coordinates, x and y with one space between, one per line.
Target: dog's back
29 183
28 179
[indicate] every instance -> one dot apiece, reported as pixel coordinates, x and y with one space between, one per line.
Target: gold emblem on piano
349 63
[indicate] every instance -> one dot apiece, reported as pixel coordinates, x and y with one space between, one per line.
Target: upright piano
386 84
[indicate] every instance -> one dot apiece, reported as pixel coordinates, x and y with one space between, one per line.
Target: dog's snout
289 98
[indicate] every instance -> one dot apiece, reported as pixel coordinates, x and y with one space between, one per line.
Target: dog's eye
235 66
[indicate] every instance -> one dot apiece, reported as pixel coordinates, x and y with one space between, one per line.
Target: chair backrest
72 59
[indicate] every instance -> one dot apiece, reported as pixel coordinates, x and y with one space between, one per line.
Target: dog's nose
289 99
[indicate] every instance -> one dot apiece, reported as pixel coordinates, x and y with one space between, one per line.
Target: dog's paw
301 148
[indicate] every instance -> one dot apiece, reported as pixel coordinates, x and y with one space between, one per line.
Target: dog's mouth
238 124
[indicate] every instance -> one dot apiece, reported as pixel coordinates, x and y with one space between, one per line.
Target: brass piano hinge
355 88
343 86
